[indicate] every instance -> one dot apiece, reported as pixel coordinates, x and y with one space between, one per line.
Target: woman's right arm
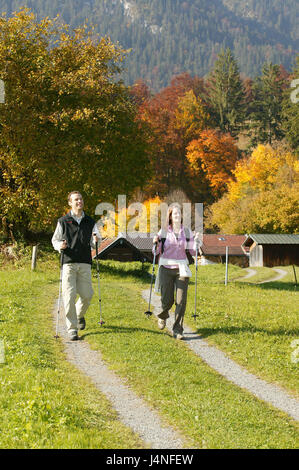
156 244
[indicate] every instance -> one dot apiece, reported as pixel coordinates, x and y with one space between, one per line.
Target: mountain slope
173 36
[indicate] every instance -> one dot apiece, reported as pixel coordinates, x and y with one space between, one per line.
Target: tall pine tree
227 93
266 118
291 110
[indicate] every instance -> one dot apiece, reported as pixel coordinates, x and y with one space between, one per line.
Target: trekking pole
196 264
148 312
101 322
60 291
295 276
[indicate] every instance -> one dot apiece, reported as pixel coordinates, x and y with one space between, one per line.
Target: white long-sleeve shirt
58 234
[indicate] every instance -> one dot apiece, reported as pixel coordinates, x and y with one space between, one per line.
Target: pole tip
148 313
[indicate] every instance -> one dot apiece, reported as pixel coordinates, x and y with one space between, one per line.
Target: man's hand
63 245
95 238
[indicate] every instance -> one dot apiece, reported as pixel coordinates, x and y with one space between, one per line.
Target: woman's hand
155 239
197 239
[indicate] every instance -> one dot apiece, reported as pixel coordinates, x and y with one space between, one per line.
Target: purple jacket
175 248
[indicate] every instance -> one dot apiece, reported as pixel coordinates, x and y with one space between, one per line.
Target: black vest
78 238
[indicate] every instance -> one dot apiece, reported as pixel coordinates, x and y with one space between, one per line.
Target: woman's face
176 215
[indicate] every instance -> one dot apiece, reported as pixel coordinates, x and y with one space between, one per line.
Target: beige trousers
76 279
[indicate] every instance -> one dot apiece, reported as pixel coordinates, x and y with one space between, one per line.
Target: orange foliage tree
175 116
212 158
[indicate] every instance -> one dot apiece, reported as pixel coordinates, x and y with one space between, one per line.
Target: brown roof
104 244
141 243
144 242
212 244
216 244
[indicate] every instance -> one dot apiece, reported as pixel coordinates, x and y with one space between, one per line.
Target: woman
174 271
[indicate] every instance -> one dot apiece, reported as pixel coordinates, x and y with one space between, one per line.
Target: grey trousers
170 279
76 279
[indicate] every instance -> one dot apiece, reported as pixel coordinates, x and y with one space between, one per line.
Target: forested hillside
168 37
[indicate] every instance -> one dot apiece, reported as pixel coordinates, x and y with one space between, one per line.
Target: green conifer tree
266 118
227 93
290 111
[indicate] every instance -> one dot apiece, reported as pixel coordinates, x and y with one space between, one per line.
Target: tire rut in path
131 409
251 272
228 368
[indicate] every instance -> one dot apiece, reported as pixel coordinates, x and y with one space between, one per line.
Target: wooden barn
214 248
272 249
126 248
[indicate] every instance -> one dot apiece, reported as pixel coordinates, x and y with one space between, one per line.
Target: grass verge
255 324
44 401
210 411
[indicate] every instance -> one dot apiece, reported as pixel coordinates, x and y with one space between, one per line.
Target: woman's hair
169 213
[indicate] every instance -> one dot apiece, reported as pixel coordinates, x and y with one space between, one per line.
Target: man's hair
70 195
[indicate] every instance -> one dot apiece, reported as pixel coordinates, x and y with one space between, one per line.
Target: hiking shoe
161 324
81 323
73 336
177 335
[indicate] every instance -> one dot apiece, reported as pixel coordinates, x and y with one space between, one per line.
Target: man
75 233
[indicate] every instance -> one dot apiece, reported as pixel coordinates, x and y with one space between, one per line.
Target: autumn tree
263 196
175 116
140 92
212 158
66 123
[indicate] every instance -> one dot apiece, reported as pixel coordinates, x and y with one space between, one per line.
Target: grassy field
45 402
210 411
254 324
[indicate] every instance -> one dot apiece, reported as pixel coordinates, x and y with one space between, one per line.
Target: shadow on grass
278 285
192 337
235 330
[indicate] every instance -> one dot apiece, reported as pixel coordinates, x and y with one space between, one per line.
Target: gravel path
216 359
132 410
251 272
281 273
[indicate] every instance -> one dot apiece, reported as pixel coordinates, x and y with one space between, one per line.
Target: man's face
76 202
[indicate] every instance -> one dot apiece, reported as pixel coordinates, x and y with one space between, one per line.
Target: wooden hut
214 248
272 249
126 248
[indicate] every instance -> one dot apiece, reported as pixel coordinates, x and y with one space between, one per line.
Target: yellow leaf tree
66 124
264 195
